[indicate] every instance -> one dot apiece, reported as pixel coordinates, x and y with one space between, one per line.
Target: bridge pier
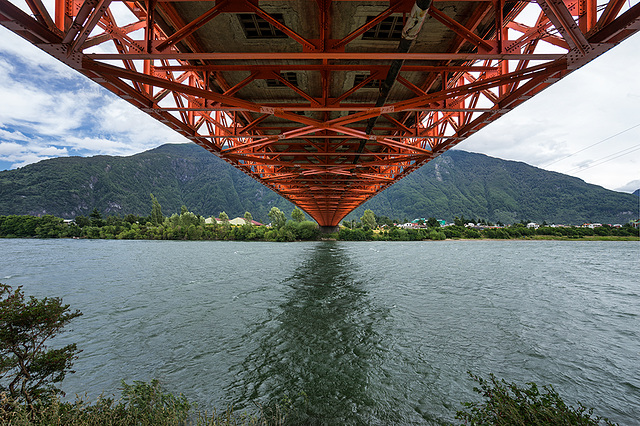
329 229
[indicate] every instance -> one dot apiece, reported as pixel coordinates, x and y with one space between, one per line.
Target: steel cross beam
285 95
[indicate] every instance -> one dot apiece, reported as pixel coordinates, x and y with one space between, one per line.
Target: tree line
189 226
183 226
381 228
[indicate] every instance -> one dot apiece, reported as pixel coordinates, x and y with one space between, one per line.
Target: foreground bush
507 404
141 404
147 404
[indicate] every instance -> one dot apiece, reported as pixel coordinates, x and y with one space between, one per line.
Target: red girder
303 140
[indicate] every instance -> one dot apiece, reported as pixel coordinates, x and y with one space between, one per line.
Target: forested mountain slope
177 174
478 186
455 184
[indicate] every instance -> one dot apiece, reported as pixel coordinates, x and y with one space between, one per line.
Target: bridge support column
329 229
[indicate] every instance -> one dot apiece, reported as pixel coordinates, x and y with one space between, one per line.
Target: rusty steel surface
289 91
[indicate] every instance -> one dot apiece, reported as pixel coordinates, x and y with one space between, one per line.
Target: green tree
130 218
82 221
306 230
96 218
28 369
224 218
432 222
368 219
50 227
156 211
184 209
297 215
384 220
278 219
248 219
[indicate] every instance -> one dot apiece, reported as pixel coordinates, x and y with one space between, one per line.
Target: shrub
397 234
141 404
496 234
357 234
307 230
453 231
437 235
507 404
471 233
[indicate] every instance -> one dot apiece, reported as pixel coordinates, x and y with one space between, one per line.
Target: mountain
478 186
177 174
457 183
636 192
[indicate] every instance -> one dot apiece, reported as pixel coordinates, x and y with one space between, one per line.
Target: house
238 221
592 225
533 225
407 225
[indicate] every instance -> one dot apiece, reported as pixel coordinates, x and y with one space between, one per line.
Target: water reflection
323 341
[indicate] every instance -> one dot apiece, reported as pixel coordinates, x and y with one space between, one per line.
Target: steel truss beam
304 147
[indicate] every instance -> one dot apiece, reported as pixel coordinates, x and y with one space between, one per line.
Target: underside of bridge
325 102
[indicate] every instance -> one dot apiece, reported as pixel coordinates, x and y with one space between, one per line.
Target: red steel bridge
325 102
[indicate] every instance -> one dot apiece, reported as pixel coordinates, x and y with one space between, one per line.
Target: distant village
422 223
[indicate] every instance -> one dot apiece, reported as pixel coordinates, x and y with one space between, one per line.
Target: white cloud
594 104
45 105
29 158
47 112
630 186
53 151
124 120
12 136
10 148
102 146
31 152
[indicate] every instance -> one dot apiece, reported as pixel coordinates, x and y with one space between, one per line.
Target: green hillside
478 186
177 174
455 184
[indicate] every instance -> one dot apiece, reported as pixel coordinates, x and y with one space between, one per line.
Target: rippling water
371 333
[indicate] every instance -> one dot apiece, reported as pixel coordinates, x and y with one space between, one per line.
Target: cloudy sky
587 125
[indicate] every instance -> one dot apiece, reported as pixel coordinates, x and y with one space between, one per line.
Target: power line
590 146
606 159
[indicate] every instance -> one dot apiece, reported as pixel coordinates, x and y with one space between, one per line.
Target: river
371 333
